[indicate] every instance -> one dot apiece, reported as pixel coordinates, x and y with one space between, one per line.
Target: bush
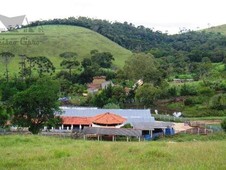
218 102
128 125
188 90
172 91
189 102
223 125
111 106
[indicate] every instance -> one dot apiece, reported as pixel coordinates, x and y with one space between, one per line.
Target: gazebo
107 119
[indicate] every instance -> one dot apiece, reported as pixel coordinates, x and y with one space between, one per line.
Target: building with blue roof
132 115
140 119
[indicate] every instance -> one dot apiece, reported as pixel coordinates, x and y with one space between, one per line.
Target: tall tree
142 66
35 106
69 64
22 63
146 94
103 59
6 57
69 61
43 65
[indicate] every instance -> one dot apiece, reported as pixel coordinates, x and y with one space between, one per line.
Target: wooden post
198 131
98 137
113 138
127 139
164 132
151 134
84 137
139 138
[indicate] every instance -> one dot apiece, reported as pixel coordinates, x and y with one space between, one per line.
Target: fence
169 118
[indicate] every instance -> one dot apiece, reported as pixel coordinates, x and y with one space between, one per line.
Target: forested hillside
190 44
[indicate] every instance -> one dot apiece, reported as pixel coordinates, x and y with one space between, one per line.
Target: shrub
218 102
172 91
127 125
223 125
189 102
188 90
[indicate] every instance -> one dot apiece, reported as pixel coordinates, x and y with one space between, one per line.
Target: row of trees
31 100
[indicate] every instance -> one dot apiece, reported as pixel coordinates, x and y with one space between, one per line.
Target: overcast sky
158 14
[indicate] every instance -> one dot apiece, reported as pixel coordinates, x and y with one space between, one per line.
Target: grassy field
220 28
54 40
37 152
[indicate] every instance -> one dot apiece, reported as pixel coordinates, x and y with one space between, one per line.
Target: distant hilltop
9 23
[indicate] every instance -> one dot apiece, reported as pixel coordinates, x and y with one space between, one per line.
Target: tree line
193 45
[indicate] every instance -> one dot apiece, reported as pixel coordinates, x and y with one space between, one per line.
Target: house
98 83
2 27
93 120
100 120
7 23
131 115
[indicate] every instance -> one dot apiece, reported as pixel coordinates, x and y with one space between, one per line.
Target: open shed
154 129
112 132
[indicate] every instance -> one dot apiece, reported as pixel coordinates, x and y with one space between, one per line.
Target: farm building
93 121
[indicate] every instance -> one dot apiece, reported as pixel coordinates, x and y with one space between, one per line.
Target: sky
163 15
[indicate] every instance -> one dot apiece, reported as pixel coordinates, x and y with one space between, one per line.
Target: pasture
38 152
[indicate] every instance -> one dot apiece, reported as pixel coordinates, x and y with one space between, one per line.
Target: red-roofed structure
67 120
108 119
104 119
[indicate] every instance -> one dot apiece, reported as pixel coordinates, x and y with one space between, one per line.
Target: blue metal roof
132 115
151 125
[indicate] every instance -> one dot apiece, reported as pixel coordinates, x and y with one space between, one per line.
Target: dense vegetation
187 44
184 72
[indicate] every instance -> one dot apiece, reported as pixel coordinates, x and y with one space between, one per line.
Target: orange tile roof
108 119
67 120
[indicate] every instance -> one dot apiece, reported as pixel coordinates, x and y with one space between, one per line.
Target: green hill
52 40
220 29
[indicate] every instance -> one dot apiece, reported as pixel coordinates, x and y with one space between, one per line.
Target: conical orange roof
108 119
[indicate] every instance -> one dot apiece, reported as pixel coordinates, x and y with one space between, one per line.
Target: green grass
219 136
220 28
58 39
37 152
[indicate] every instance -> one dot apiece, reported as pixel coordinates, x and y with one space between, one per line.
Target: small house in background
7 23
99 82
2 27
